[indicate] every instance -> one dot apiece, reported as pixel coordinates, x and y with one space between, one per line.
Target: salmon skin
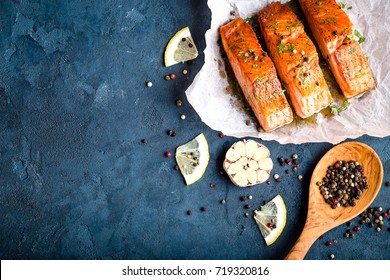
256 75
333 32
296 59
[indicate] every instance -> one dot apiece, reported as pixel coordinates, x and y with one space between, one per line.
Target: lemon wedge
193 158
180 48
271 219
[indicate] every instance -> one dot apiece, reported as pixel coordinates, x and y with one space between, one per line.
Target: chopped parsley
248 20
319 3
360 36
288 26
274 26
350 37
285 48
349 8
335 109
359 73
255 65
329 21
295 24
353 50
342 5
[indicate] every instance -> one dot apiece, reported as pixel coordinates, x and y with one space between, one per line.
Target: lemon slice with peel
180 48
193 158
271 219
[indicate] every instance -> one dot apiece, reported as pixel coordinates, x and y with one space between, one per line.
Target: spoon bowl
320 216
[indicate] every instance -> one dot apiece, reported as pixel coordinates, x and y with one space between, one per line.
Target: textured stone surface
76 181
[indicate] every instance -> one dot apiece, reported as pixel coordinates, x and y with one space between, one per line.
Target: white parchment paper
368 114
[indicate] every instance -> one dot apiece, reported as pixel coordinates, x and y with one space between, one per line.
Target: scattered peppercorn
243 198
306 59
184 71
300 177
221 135
179 102
331 256
328 243
335 33
250 197
168 154
356 228
294 169
149 84
288 171
223 201
248 122
176 167
203 209
387 184
268 183
171 133
183 117
349 223
378 229
294 156
167 77
279 180
281 161
246 215
189 212
212 186
144 141
247 206
276 176
172 76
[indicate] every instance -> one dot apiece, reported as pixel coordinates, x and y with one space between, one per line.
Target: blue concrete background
76 181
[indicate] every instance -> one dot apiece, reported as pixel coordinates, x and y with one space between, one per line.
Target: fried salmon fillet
296 59
333 32
256 75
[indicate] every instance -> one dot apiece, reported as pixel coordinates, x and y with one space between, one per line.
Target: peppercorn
168 154
356 228
167 77
149 84
306 59
331 256
221 135
203 209
349 223
288 171
243 198
247 206
172 76
246 215
179 102
144 141
276 176
335 33
294 169
378 229
223 201
250 197
184 71
300 177
171 133
328 243
248 122
189 212
182 117
387 184
212 185
370 224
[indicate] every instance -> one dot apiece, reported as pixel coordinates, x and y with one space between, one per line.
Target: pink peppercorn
356 228
328 243
168 154
384 215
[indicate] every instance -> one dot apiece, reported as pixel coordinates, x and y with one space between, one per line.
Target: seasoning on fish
256 75
333 31
296 59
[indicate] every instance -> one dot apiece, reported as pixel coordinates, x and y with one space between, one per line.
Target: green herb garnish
342 5
359 73
336 109
295 24
255 65
319 3
329 21
274 26
353 50
349 8
360 36
282 48
248 19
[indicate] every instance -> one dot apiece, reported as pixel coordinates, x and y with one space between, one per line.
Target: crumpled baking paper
369 114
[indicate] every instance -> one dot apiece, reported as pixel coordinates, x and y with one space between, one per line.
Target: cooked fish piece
296 59
333 31
256 75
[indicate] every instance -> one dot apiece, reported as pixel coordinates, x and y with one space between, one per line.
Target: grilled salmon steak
296 59
333 32
255 74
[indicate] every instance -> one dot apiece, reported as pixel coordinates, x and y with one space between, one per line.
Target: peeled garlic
248 163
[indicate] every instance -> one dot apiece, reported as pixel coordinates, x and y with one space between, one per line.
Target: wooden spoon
321 217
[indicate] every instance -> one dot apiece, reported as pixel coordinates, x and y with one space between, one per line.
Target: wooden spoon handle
303 244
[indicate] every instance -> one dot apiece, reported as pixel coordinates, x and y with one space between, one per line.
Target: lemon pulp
193 158
271 219
180 48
